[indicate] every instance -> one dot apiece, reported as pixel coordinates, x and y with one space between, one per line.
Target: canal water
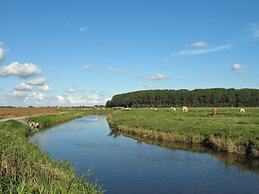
125 165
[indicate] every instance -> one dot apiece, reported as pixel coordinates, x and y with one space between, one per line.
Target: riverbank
55 119
124 165
24 168
228 131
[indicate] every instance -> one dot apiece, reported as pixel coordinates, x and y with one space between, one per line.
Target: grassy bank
52 120
228 131
24 168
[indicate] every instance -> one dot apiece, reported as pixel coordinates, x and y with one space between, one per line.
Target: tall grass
24 168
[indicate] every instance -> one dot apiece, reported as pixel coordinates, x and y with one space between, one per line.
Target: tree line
218 97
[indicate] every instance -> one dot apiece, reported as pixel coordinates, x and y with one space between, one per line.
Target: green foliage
24 168
197 98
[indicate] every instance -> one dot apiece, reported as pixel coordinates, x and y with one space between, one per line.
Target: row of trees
196 98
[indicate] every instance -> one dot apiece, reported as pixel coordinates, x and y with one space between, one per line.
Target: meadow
228 131
24 168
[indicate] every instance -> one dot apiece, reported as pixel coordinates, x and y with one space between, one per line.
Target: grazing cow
173 108
242 110
185 109
214 111
34 126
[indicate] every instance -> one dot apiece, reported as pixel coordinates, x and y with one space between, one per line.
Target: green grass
52 120
229 130
24 168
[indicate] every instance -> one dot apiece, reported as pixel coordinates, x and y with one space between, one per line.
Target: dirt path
20 119
24 118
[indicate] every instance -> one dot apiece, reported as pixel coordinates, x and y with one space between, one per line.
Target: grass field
24 168
229 131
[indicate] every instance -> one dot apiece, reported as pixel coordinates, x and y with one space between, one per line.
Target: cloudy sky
84 52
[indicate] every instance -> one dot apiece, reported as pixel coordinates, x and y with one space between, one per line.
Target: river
125 165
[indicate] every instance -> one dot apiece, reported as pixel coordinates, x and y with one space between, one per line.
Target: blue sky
84 52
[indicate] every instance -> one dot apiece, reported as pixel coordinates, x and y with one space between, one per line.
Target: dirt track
23 118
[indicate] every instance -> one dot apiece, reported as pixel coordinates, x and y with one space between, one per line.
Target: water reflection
126 165
242 162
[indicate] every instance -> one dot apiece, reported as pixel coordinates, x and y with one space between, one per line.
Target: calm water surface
124 165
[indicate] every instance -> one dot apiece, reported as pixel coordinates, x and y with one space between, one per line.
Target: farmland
18 112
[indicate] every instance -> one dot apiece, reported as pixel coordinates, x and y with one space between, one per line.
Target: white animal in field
155 109
173 108
242 110
185 109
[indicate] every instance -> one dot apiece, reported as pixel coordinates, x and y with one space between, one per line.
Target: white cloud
2 52
23 87
203 50
82 28
20 70
238 68
159 77
43 88
116 69
35 97
180 78
81 99
148 86
23 98
88 67
70 90
18 94
60 98
38 84
254 30
199 44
